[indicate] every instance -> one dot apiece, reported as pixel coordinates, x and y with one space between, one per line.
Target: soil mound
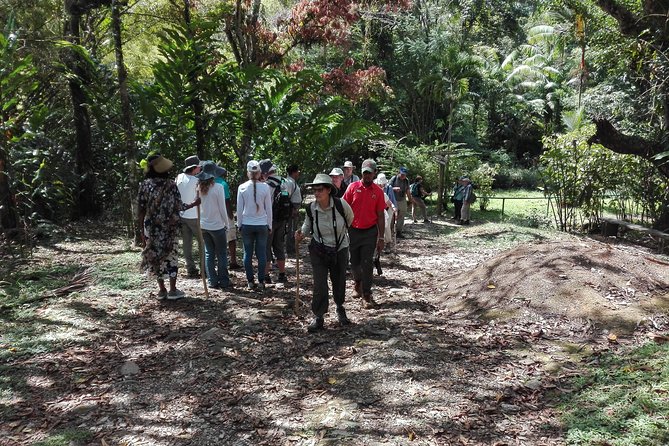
586 279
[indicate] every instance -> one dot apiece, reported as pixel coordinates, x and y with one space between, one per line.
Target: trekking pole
297 303
201 240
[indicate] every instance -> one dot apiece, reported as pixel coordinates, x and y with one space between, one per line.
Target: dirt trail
463 348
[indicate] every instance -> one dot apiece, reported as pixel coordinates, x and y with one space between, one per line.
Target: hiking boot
282 278
261 287
251 286
426 221
341 317
377 264
369 301
194 274
316 325
268 279
357 288
176 294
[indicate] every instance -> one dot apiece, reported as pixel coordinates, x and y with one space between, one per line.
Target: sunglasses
319 189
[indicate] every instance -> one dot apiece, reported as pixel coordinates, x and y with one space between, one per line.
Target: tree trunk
130 190
196 103
8 218
86 199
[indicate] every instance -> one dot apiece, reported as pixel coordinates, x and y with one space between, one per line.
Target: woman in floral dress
159 204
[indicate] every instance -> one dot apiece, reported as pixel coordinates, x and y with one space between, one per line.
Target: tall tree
87 202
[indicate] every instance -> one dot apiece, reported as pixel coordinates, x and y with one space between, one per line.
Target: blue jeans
216 257
254 238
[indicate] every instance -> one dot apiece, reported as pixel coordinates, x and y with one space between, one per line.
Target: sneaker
222 286
162 294
282 278
261 287
176 294
341 317
317 324
426 221
251 286
268 279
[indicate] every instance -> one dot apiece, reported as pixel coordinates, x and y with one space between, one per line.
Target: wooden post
297 303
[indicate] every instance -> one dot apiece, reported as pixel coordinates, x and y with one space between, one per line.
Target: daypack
281 205
338 206
415 190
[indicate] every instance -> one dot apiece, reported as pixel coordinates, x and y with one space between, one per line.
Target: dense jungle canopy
575 91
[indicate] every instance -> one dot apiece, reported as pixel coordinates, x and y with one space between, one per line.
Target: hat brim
161 165
331 186
368 169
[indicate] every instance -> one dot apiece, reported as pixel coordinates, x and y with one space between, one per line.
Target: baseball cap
369 165
253 166
404 170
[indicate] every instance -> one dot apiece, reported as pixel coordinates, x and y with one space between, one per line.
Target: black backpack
281 205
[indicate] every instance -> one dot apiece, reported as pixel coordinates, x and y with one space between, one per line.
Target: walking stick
201 239
297 303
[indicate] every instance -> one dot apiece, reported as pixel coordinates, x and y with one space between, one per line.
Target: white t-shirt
247 211
294 191
187 185
213 213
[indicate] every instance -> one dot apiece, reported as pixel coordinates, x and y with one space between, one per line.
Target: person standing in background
296 200
337 176
400 185
254 220
187 185
349 176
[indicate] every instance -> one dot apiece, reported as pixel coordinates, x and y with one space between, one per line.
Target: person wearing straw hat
214 223
187 183
327 221
254 220
159 204
366 231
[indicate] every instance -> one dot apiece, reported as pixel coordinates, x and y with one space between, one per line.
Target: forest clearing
481 336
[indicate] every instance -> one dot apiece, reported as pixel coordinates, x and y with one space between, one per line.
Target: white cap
381 179
348 164
253 166
336 171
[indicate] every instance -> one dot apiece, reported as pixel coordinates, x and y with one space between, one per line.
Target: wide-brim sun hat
204 176
213 169
191 161
322 179
266 166
348 164
336 171
160 164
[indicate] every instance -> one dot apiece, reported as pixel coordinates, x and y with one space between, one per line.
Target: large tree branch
618 142
631 25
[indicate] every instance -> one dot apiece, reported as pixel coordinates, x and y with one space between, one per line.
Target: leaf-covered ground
477 330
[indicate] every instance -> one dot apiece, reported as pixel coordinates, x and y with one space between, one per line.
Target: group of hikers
351 221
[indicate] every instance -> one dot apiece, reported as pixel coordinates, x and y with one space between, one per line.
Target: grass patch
31 283
66 437
119 273
622 401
